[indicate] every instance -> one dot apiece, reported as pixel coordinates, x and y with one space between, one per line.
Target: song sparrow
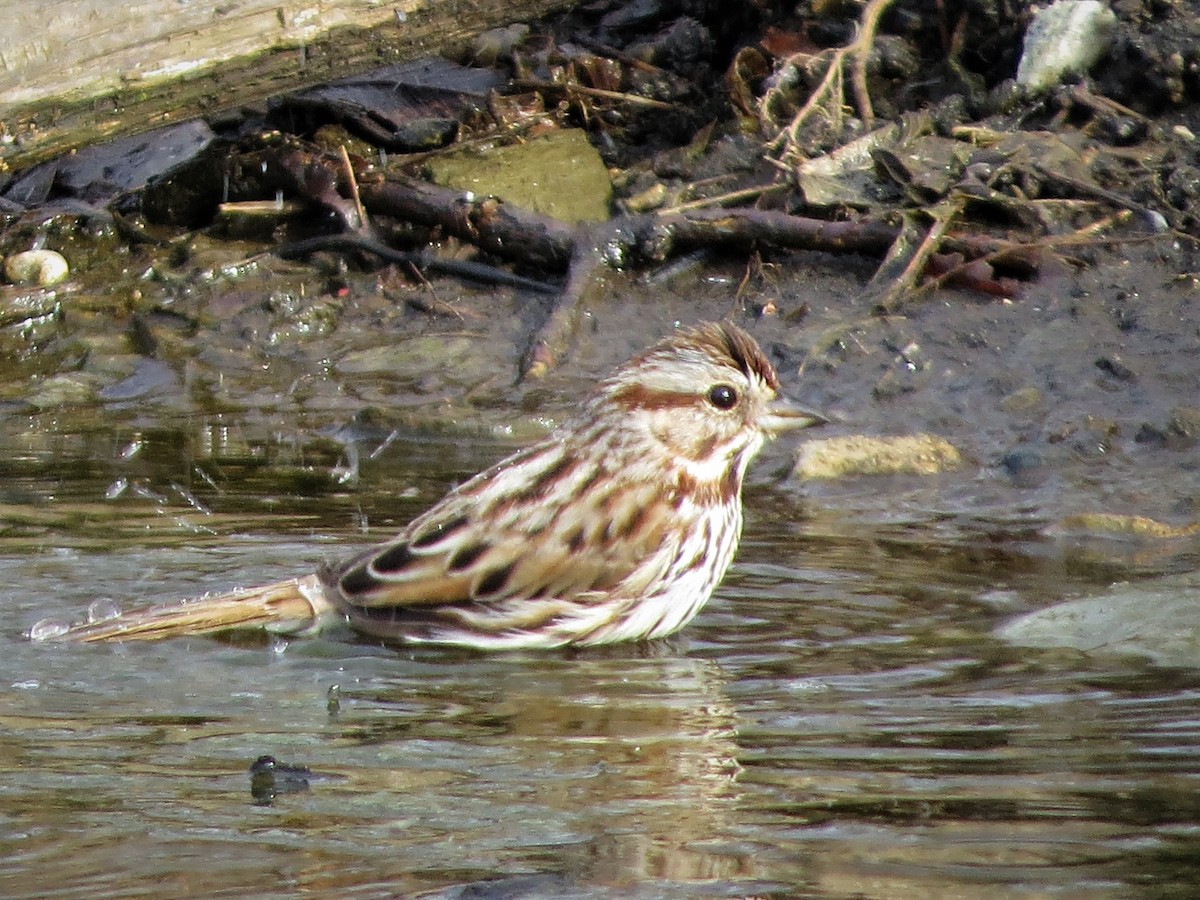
616 526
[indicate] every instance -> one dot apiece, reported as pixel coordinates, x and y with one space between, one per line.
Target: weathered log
73 72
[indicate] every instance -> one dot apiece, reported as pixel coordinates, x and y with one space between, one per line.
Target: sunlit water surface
838 722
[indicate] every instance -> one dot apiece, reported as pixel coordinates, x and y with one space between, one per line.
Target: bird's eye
722 396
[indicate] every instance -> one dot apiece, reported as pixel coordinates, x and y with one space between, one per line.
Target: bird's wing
518 531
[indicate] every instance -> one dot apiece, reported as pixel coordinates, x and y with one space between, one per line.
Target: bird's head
708 394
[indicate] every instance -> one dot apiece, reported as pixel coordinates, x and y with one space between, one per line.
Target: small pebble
40 267
1018 462
1112 365
1025 466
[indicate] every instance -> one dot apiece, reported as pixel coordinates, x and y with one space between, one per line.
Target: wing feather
517 531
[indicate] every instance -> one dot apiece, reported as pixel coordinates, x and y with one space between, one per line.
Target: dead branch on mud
828 99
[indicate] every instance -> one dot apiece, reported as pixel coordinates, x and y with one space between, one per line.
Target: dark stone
1112 365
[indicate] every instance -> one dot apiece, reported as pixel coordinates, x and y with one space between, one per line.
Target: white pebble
40 267
1069 36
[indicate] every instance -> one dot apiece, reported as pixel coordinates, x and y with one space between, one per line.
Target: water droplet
387 442
145 492
190 499
333 699
117 488
102 609
279 645
349 473
48 630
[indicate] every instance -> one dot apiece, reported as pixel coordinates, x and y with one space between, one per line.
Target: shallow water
838 722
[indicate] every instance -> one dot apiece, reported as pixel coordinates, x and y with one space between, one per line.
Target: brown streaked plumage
616 526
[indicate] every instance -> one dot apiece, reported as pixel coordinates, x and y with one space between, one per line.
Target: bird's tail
287 607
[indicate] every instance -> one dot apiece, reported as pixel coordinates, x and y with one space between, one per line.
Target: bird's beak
784 415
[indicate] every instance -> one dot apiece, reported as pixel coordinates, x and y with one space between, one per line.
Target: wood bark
74 72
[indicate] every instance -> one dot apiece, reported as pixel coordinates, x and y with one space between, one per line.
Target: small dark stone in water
1018 461
1025 466
1151 434
269 778
1113 366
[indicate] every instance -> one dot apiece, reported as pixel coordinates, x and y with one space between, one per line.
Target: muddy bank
1032 304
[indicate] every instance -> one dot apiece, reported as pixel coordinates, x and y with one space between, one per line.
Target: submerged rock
1158 620
838 457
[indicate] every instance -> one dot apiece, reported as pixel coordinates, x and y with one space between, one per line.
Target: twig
1154 219
620 55
830 92
918 260
830 85
648 239
727 199
461 268
539 84
965 270
1098 103
352 182
550 342
860 52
